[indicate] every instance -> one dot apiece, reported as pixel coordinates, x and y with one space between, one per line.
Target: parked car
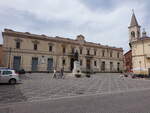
9 76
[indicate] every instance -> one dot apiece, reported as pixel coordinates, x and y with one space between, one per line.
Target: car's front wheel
12 81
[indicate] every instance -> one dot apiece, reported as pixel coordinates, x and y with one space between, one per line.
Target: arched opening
133 34
138 34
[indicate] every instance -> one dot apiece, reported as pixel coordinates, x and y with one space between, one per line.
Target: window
110 53
103 53
50 48
7 72
95 63
35 46
80 50
118 55
133 34
81 62
64 62
17 45
64 50
88 52
94 52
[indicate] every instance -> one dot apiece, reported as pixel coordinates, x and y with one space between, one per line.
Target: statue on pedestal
76 56
76 70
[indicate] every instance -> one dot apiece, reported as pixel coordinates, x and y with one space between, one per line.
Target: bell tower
134 29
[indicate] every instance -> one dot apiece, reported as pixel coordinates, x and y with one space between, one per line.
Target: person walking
62 73
54 74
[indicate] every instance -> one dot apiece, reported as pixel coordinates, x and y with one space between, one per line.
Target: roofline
128 52
54 39
134 26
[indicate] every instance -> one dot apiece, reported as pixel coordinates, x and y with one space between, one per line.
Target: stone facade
1 56
42 53
140 46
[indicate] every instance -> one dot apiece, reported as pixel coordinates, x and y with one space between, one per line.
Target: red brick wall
128 61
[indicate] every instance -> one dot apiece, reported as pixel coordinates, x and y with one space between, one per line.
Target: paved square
42 86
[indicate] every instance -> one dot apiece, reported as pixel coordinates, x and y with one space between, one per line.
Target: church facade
140 46
31 52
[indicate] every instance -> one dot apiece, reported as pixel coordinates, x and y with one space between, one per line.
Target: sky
100 21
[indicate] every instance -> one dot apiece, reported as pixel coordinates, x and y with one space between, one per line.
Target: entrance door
88 63
103 66
49 64
71 64
34 64
111 66
16 63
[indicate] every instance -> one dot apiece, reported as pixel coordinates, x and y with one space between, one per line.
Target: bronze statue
76 56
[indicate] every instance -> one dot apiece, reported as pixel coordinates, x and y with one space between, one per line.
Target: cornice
57 39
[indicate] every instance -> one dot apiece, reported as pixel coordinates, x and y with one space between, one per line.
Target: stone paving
41 86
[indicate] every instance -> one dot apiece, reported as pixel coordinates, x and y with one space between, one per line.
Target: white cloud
109 28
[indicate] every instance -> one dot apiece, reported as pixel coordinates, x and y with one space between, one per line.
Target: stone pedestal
76 69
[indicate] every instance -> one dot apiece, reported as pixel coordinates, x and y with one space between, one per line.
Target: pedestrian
62 73
54 74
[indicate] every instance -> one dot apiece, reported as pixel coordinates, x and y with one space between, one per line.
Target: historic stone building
140 46
42 53
1 55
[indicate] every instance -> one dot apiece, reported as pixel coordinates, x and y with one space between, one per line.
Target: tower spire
133 20
134 29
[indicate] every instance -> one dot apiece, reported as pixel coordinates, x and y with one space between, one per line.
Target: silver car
9 76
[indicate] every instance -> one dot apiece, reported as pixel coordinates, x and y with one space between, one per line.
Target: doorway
16 63
34 64
103 66
49 64
88 64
